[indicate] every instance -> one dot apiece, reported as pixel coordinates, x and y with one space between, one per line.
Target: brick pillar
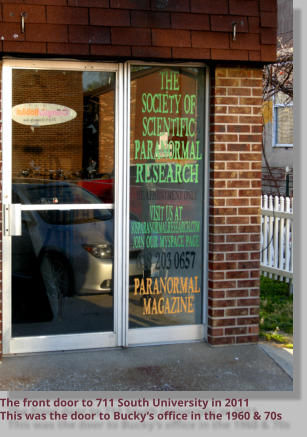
234 218
1 300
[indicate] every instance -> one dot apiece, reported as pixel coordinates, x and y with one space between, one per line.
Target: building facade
131 163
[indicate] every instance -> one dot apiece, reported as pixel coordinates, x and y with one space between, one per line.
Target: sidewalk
282 356
175 367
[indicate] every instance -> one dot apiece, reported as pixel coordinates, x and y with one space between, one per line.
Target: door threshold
67 351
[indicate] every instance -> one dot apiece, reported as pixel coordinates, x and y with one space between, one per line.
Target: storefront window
69 277
166 195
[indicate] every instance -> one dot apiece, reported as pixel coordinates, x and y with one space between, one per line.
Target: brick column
1 299
234 218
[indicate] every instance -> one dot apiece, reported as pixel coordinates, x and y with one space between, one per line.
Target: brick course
66 15
176 24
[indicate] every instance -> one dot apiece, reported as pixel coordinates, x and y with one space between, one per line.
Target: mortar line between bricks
216 123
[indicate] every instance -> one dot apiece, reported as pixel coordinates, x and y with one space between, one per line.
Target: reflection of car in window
101 186
183 194
73 249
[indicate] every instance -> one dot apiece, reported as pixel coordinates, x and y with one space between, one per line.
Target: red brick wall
1 300
235 190
156 29
152 82
106 132
65 140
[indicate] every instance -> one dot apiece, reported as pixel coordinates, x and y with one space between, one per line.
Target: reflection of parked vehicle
101 187
72 248
142 193
173 194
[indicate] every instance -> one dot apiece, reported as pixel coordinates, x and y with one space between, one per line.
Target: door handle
12 219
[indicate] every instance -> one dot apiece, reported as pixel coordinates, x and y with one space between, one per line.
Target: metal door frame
11 344
180 333
122 335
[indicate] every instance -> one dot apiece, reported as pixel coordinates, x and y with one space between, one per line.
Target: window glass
166 195
283 120
63 135
63 130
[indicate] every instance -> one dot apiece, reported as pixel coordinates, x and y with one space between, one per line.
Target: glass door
167 202
104 176
60 197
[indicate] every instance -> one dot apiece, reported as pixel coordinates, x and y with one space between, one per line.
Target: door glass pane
166 195
63 153
63 129
62 272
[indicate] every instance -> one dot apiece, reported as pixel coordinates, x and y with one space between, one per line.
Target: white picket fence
276 259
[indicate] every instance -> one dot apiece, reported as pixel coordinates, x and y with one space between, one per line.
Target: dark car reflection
72 248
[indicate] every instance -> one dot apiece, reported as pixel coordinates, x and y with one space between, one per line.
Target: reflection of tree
93 80
278 77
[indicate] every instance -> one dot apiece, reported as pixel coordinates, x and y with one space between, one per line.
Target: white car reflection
73 249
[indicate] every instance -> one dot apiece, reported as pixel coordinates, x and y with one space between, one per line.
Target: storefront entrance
105 204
